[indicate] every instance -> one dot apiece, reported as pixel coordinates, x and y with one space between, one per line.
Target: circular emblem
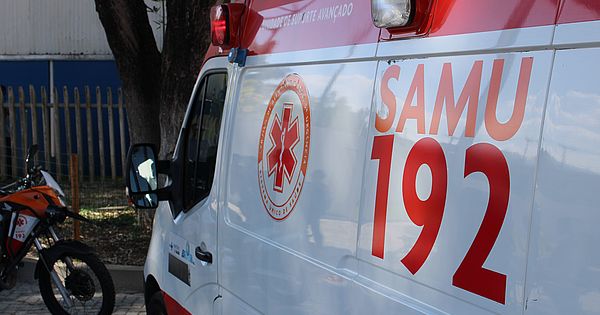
284 147
21 220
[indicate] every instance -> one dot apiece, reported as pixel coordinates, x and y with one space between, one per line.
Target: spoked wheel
84 279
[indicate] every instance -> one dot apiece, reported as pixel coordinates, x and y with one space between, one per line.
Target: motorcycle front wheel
86 280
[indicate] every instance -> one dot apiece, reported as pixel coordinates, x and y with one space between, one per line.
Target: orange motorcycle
71 277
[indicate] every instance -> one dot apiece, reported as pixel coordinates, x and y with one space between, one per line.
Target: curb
127 279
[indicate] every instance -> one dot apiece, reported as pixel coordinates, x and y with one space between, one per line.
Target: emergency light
219 32
391 13
225 24
402 17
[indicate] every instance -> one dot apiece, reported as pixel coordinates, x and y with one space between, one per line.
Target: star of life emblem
284 147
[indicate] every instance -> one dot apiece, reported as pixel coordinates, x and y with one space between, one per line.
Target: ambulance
383 157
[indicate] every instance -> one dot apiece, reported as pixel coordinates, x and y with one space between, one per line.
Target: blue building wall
102 73
24 73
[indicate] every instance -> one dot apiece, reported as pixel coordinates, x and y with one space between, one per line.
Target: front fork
55 237
53 275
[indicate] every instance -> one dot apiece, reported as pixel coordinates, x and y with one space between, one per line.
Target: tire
80 284
156 304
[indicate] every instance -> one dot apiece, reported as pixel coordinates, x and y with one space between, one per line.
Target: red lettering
471 275
426 213
382 151
482 157
415 112
388 99
504 131
470 94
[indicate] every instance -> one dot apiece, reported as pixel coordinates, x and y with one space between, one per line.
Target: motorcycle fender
55 251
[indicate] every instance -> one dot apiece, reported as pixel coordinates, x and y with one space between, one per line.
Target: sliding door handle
204 255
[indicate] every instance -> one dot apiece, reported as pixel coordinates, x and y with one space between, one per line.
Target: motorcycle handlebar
34 170
22 183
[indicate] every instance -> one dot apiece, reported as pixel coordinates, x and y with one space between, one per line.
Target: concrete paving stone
25 299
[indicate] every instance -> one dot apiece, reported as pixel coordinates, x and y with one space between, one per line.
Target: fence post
2 138
100 132
13 132
45 130
74 174
122 132
33 108
23 125
78 133
67 121
56 138
90 135
111 135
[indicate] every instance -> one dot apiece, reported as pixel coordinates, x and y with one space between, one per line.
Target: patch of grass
114 234
126 216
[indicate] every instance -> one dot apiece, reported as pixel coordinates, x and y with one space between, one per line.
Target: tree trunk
157 87
138 60
186 40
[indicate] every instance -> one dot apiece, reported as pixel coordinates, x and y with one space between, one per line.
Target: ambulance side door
450 177
563 274
192 240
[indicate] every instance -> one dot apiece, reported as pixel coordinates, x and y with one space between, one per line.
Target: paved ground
25 299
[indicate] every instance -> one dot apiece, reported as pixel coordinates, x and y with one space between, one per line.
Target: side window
202 138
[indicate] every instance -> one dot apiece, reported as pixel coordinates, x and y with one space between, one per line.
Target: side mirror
141 178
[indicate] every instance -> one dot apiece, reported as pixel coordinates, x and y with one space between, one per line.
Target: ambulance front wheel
156 304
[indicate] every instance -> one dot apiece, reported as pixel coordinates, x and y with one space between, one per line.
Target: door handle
204 255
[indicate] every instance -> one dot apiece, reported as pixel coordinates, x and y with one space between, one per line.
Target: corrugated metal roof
60 28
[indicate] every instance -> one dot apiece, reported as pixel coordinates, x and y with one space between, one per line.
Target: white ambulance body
445 161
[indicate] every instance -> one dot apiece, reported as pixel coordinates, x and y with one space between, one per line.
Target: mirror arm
163 193
163 167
